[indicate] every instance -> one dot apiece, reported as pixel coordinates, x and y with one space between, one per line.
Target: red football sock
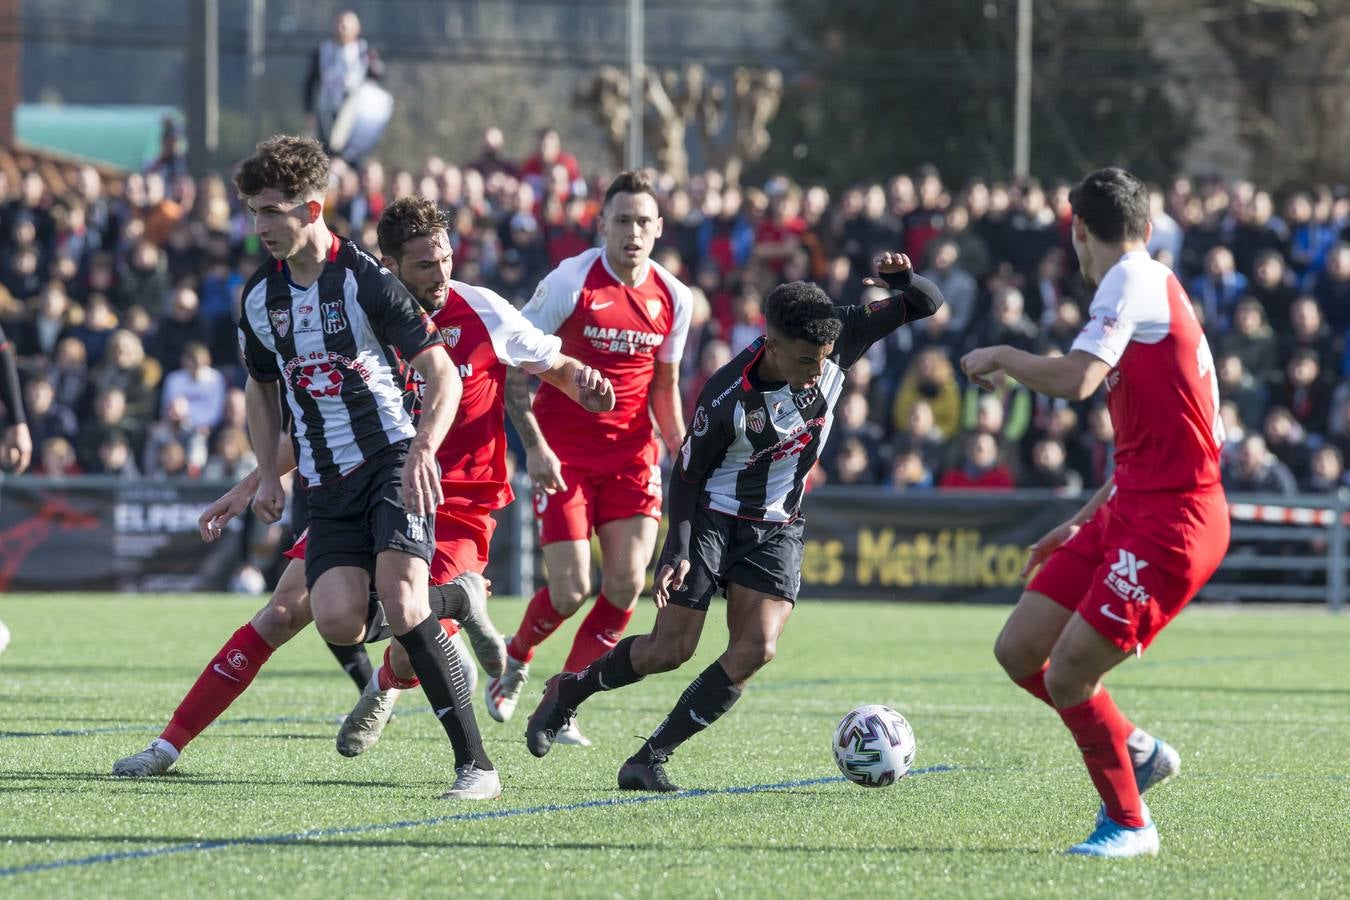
1100 730
387 678
540 620
599 632
451 627
1035 686
226 677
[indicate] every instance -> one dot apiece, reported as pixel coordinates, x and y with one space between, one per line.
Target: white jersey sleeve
1130 305
556 297
672 348
514 339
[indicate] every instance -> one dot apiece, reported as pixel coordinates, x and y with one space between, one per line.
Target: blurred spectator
1255 469
54 317
170 460
1332 288
548 154
110 419
1286 438
47 417
175 428
852 465
125 367
1304 392
69 375
958 286
1256 231
973 252
1219 288
746 321
1009 323
1273 285
1049 468
1326 471
231 456
1237 385
115 458
921 436
1063 329
56 459
1045 293
1252 340
100 321
1308 331
1167 234
202 386
931 378
491 159
1098 447
909 471
979 467
144 278
182 325
852 426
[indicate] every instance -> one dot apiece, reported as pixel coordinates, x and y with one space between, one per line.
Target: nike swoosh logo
223 674
606 305
440 713
1106 611
693 715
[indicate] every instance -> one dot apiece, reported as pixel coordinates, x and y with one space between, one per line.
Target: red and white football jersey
1162 391
483 334
621 331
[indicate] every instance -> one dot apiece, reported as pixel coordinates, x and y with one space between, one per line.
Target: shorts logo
654 308
319 380
451 335
281 321
334 319
700 422
416 529
237 659
1123 579
754 420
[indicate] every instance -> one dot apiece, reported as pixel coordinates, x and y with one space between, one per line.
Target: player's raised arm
912 298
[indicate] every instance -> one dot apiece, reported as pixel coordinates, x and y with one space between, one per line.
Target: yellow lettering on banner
1010 559
941 571
872 553
823 562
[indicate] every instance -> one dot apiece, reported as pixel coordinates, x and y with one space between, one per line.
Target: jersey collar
646 270
746 384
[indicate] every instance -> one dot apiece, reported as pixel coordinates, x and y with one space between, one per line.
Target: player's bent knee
340 628
569 600
282 619
1017 659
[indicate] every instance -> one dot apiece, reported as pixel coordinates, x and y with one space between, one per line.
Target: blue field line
484 815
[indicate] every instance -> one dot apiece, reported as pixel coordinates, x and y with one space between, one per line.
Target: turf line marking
319 833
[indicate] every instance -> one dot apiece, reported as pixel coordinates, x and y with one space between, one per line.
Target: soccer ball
874 746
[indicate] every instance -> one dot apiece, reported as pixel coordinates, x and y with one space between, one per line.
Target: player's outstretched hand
982 367
669 578
1041 550
888 263
544 469
594 390
16 449
211 523
270 501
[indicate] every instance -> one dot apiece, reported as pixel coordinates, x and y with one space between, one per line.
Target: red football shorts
594 497
1137 562
463 536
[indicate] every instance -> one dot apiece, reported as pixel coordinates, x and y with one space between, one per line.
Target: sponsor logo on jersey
791 445
466 370
700 422
622 340
334 318
1123 578
319 380
754 420
598 305
281 321
305 309
654 307
722 396
451 335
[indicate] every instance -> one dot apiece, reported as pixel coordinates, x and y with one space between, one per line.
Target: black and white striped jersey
751 444
335 345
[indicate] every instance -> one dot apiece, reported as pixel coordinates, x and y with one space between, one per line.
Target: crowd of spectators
121 292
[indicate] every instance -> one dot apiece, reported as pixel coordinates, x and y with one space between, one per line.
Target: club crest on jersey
754 420
654 307
805 398
451 335
334 319
700 422
281 321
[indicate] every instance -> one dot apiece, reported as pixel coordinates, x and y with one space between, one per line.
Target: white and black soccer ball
874 746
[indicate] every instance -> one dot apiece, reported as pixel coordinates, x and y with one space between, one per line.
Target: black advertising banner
948 546
97 535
